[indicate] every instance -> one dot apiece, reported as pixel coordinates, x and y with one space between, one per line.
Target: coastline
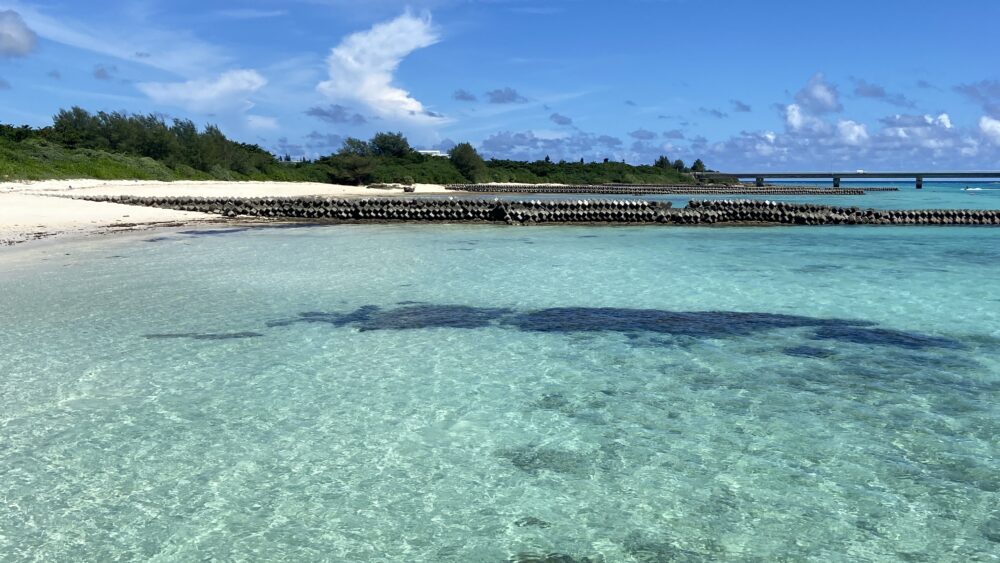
67 209
29 213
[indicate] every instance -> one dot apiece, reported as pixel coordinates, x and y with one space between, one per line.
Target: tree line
386 157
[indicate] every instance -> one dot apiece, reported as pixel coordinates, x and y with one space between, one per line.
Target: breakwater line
614 189
584 211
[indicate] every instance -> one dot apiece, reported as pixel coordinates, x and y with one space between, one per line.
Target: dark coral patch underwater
630 322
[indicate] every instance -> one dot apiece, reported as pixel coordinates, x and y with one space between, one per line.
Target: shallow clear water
472 393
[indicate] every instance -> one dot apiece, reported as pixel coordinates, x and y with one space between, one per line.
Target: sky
762 85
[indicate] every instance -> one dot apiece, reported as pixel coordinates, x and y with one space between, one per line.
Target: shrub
467 161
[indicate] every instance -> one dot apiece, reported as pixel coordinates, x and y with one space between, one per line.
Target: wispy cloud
560 119
865 89
262 122
336 113
986 93
230 91
506 95
740 107
361 68
464 96
16 38
105 72
712 112
250 14
177 52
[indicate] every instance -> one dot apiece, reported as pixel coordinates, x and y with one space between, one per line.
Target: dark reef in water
884 337
702 324
630 322
531 521
407 317
532 459
212 232
807 352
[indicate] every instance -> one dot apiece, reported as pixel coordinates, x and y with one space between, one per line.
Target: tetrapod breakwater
606 211
615 189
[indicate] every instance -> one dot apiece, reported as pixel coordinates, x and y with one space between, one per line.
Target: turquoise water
481 393
934 195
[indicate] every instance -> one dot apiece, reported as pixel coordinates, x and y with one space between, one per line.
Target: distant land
122 146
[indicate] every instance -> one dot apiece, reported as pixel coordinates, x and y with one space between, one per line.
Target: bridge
759 177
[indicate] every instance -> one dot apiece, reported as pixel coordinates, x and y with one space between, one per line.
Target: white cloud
798 120
230 91
970 148
852 132
139 42
362 66
16 39
990 128
262 122
943 120
819 96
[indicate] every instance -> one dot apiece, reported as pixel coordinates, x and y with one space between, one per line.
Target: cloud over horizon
819 96
229 92
361 68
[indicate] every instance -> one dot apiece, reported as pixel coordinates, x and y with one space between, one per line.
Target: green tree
390 144
679 165
468 162
76 128
349 169
355 147
663 162
698 166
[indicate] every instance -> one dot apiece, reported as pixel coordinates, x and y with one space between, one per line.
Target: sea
435 392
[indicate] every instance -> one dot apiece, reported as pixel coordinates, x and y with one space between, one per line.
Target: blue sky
766 84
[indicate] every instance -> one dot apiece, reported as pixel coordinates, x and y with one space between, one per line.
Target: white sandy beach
29 212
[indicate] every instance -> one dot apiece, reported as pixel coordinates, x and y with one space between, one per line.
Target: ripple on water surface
550 394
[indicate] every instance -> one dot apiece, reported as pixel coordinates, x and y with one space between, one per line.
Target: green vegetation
144 147
581 173
386 158
117 145
467 161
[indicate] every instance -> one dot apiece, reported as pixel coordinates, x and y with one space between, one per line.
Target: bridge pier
759 182
836 182
920 183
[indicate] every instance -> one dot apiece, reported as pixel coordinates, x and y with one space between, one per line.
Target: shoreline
32 213
29 213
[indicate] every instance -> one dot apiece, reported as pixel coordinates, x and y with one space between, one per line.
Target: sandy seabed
29 211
